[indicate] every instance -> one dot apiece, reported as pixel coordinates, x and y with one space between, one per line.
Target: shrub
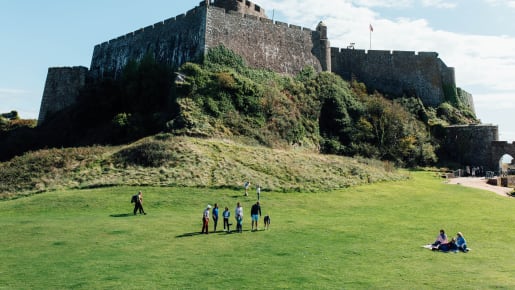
147 154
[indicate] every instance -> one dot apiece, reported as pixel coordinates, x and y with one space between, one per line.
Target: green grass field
364 237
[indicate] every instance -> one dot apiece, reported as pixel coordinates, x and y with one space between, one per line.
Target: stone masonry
61 89
243 27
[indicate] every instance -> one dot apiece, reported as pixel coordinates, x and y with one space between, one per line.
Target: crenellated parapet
240 6
187 37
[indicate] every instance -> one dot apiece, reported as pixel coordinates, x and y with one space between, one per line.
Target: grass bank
165 160
363 237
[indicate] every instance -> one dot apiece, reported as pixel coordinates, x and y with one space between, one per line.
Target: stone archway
499 149
506 164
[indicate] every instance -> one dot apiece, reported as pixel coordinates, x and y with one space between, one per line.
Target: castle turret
241 6
62 88
325 47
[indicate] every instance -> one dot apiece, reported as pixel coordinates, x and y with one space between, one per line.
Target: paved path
480 182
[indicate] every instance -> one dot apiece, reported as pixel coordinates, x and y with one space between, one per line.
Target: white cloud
383 3
508 3
438 4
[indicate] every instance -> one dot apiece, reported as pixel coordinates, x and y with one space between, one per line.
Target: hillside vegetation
221 97
166 160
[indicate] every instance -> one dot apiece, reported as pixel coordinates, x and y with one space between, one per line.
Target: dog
266 220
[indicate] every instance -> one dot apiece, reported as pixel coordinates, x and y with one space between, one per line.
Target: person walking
246 185
215 217
205 220
258 191
255 213
226 214
238 214
138 205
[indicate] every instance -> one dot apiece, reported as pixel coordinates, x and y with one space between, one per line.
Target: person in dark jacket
255 213
138 205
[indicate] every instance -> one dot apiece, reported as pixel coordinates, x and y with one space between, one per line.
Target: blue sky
476 37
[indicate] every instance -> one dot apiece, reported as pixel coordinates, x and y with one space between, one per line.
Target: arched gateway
498 150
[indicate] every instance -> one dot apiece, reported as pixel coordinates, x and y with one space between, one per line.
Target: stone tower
325 47
241 6
62 88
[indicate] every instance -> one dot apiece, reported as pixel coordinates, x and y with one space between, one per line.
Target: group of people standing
455 244
255 213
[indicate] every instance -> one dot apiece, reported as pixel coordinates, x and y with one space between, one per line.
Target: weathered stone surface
397 73
242 26
61 89
473 145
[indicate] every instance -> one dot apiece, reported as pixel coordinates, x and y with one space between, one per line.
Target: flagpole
370 29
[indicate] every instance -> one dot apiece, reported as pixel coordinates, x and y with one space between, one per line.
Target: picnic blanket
430 247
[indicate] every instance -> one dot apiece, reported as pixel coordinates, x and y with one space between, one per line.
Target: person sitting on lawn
440 239
461 243
446 247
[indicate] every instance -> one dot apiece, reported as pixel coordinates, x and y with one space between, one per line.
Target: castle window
248 3
258 9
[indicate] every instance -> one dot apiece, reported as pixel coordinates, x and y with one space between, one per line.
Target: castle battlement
241 6
404 53
243 27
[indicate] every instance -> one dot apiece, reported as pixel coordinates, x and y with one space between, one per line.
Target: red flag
371 28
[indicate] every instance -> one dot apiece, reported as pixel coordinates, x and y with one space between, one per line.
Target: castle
243 27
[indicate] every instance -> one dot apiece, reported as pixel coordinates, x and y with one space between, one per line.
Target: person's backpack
134 198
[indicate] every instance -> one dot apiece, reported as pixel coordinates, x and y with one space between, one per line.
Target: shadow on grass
210 233
120 215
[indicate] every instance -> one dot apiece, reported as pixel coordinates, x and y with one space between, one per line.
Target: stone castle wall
466 99
263 43
471 144
62 88
499 149
397 73
241 6
173 41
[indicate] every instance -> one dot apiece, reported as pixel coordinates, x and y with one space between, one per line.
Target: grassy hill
362 237
167 160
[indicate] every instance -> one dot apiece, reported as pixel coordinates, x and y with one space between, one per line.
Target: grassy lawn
365 237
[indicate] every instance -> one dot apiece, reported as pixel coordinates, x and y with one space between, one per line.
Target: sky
475 37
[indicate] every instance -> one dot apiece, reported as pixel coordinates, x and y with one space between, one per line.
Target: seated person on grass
450 246
440 239
461 243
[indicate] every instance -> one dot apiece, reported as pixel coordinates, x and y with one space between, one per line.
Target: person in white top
205 219
238 214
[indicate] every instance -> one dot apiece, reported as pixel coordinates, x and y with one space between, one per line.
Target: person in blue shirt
215 217
461 242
